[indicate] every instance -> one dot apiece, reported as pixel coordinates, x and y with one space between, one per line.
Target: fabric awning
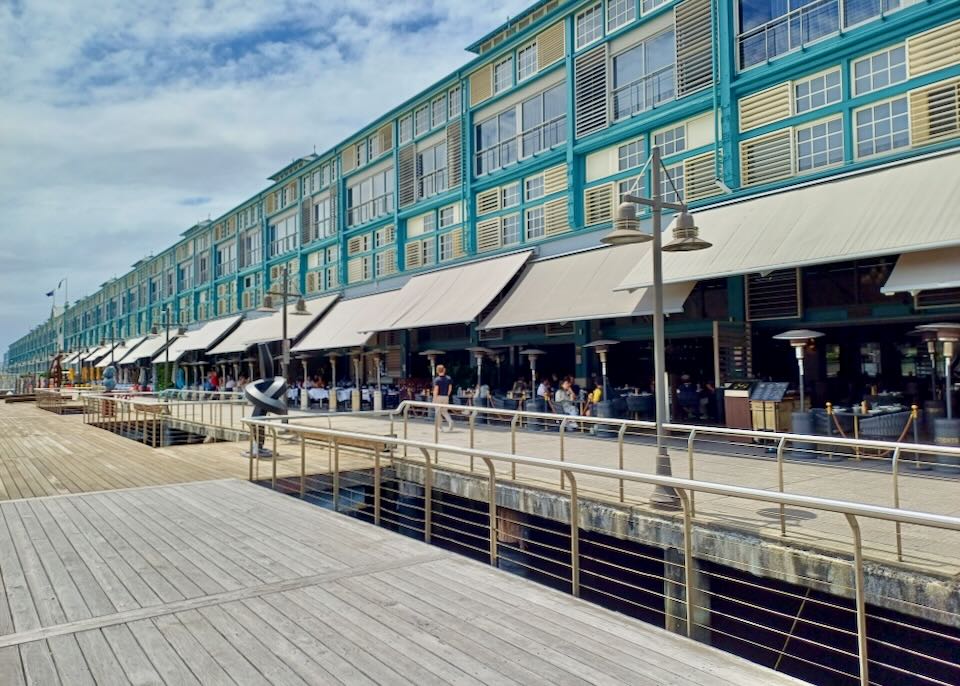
96 355
456 295
270 328
901 208
123 348
202 338
349 322
69 359
147 349
924 271
580 286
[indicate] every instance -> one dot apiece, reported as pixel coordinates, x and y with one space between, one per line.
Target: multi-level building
812 138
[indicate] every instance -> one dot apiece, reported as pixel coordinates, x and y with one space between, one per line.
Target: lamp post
602 347
432 355
532 354
626 230
300 310
798 338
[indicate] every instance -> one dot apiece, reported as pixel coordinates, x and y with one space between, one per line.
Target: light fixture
626 227
267 305
798 338
686 235
300 309
602 347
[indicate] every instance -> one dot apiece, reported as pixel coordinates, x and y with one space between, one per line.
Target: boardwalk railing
674 583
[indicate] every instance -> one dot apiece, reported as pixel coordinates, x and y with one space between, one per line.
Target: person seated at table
241 383
688 397
543 390
230 384
565 401
594 396
519 387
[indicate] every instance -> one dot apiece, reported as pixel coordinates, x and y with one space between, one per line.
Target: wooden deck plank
163 656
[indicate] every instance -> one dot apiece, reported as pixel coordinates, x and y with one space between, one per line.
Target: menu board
738 385
770 391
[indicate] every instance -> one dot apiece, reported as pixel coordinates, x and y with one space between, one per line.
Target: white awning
456 295
270 328
96 355
924 271
147 349
122 349
348 323
580 286
203 338
69 359
902 208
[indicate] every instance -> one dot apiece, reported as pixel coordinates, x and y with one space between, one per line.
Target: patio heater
798 338
332 399
532 354
432 355
602 347
479 352
946 431
378 356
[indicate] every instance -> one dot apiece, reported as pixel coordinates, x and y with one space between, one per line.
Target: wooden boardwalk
227 582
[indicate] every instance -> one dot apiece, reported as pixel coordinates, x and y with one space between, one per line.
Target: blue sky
124 123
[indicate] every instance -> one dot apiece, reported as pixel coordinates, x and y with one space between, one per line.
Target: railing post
895 467
273 465
303 465
562 451
687 505
513 445
783 513
473 422
336 475
574 535
251 430
376 486
406 417
620 434
427 496
436 432
860 591
492 508
690 440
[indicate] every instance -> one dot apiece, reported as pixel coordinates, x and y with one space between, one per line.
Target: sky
124 123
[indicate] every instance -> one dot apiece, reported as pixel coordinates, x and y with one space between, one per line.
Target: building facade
531 144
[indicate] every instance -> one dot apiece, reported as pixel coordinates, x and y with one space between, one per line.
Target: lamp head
626 227
686 235
300 309
267 305
153 330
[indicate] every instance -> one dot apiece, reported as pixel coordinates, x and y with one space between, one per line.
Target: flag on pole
50 294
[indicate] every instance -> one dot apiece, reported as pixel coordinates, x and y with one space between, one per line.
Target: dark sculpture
268 394
55 375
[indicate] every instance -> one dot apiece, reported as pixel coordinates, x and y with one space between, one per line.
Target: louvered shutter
292 191
271 203
407 176
551 45
488 201
773 296
694 32
454 154
412 257
767 158
458 243
231 225
481 85
765 107
555 219
306 221
932 50
348 160
312 282
488 235
935 112
700 178
598 204
555 179
590 91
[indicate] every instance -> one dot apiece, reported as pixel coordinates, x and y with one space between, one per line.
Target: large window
422 120
432 167
406 129
370 198
283 235
643 76
880 70
250 248
544 121
769 28
226 259
497 142
589 25
323 223
526 61
883 127
819 145
502 75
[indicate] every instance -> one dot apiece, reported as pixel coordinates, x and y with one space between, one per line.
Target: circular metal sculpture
55 376
109 379
268 394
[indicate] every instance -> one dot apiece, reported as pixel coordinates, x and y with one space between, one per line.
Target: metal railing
644 93
488 531
789 32
526 143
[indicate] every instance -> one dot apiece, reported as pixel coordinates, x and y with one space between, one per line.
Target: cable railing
677 573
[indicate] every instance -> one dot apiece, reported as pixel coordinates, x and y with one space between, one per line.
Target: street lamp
602 348
626 231
798 338
300 310
166 351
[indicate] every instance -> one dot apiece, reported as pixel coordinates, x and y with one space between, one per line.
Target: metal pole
663 496
800 367
947 359
285 346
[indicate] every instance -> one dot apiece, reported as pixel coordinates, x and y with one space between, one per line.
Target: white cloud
115 115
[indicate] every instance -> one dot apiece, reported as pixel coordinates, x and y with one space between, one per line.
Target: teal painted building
530 146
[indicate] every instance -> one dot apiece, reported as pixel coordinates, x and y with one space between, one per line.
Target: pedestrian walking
442 388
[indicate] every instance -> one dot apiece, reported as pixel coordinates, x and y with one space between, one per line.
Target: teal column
725 66
736 298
